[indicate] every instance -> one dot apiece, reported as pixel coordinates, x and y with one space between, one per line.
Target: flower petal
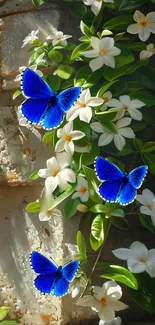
125 100
127 133
135 103
125 121
134 29
135 266
119 141
145 55
96 43
144 34
69 147
90 54
117 305
52 164
97 127
122 253
95 101
107 314
89 301
73 113
138 16
105 139
60 145
44 173
64 159
67 129
51 183
139 250
151 17
148 195
96 7
76 135
85 114
151 27
145 210
109 60
107 43
114 103
68 174
96 63
115 51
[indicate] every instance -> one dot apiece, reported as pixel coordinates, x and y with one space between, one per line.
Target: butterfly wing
127 194
33 109
107 171
61 286
70 269
53 118
136 176
68 97
44 283
109 190
34 86
42 264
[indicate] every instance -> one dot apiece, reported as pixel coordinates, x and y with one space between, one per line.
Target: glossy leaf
77 9
50 137
118 274
55 56
16 94
81 245
8 322
33 207
70 208
64 71
145 97
70 189
98 208
95 244
38 3
34 176
129 5
3 312
92 184
54 82
149 160
79 49
119 23
121 223
118 213
147 223
149 146
138 144
97 228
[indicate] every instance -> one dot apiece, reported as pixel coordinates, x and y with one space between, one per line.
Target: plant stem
97 259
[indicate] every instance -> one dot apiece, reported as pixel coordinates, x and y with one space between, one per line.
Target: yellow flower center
98 0
82 105
143 23
83 190
142 260
103 52
149 206
68 137
55 172
49 212
106 98
104 302
126 107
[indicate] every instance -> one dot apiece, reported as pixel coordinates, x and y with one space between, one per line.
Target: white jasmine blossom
107 96
105 300
96 5
57 173
46 212
121 132
58 37
83 107
103 53
116 321
30 38
32 67
67 137
146 54
139 258
126 104
145 25
81 189
147 199
78 283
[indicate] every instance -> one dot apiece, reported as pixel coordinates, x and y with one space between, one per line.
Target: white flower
58 37
107 96
74 253
118 138
147 199
96 5
145 25
150 50
126 104
57 173
30 38
46 213
139 258
67 137
82 107
105 300
81 189
76 285
103 52
116 321
32 67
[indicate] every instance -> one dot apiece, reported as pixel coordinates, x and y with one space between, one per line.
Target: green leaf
85 30
117 273
38 3
149 160
149 146
145 97
133 86
34 176
4 311
146 77
121 223
55 56
67 84
50 137
128 5
119 23
92 184
83 73
54 82
79 49
124 58
97 228
99 208
64 71
33 207
147 223
148 115
118 213
70 208
111 74
84 39
8 322
81 245
106 116
88 158
145 296
137 46
106 86
95 244
70 189
138 144
109 126
34 57
16 94
77 9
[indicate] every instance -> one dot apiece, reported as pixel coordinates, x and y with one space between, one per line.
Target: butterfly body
42 106
52 279
118 186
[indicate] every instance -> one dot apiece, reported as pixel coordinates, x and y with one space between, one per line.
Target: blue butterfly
42 106
118 186
52 279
